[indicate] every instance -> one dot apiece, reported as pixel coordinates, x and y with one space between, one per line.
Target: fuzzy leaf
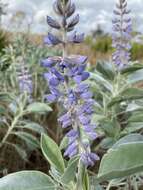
52 153
33 127
135 77
128 139
106 69
132 127
127 94
70 171
121 162
27 180
22 153
38 107
30 140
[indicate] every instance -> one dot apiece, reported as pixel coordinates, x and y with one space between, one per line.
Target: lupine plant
122 27
100 112
24 79
65 77
18 102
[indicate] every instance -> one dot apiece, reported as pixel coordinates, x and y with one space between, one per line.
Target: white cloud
92 12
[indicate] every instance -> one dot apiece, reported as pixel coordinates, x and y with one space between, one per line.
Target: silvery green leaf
70 171
121 161
52 153
38 107
31 141
22 153
33 127
30 180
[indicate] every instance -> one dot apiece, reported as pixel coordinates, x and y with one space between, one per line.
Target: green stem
10 130
79 177
66 85
109 186
129 183
36 84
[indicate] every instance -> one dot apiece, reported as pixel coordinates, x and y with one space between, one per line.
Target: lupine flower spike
24 78
122 28
66 78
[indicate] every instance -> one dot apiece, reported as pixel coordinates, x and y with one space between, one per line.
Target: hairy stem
79 177
129 183
109 186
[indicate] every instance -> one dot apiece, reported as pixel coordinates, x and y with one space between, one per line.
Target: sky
92 13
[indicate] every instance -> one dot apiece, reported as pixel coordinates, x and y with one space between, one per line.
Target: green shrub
102 44
3 40
137 51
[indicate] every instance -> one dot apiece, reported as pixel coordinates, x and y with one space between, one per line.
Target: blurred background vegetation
97 44
15 43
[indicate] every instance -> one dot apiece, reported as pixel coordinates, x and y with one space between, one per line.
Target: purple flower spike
122 28
26 86
66 78
24 79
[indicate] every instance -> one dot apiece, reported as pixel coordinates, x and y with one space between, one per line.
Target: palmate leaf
52 153
27 180
125 160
